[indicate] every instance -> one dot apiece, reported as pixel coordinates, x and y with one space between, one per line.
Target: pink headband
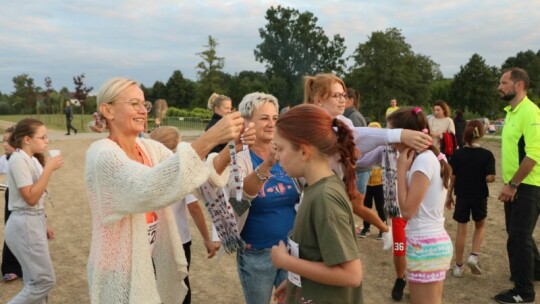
417 110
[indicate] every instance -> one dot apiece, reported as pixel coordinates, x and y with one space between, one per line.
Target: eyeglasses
339 95
44 137
139 105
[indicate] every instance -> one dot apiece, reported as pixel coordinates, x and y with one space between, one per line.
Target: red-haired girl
324 265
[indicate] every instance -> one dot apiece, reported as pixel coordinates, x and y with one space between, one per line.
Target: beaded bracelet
260 176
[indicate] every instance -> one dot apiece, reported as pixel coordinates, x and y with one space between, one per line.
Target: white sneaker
474 264
387 239
457 271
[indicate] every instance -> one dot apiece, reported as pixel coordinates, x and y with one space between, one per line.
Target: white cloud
148 40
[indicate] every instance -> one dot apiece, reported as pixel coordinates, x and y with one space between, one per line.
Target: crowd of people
281 189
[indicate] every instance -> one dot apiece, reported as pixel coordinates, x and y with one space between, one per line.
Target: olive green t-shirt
324 230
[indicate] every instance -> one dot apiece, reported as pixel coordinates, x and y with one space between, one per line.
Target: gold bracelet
261 178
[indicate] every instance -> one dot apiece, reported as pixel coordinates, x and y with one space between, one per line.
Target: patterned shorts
428 257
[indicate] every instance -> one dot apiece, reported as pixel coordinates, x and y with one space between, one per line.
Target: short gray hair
255 100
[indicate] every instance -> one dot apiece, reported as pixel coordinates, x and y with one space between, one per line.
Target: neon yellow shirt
520 138
390 110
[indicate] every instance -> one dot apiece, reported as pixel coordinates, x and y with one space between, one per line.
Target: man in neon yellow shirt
521 192
393 106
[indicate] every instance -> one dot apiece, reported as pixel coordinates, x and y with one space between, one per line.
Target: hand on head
415 139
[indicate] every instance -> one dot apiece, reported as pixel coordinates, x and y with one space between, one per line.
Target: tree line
292 46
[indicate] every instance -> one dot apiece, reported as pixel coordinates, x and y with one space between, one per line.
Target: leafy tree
475 88
244 83
440 89
530 62
23 99
179 90
294 46
209 73
48 91
81 93
385 67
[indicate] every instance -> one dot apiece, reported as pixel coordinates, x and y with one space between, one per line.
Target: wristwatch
514 185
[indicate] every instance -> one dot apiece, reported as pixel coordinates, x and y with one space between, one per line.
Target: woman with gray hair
271 196
136 252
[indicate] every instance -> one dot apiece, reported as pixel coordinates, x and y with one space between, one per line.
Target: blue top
271 215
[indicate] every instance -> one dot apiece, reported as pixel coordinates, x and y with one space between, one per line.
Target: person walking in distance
521 191
68 111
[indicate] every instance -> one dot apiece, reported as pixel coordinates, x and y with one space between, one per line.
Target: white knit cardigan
120 191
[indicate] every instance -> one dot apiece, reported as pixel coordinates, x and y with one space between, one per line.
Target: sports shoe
512 296
379 236
397 290
387 238
363 233
474 264
457 271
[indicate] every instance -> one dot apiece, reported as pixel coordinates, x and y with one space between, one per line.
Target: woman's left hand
416 139
50 232
279 254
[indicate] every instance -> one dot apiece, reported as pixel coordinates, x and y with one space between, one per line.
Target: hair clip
425 131
441 156
417 110
476 133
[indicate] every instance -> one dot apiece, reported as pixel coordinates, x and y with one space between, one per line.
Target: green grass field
58 121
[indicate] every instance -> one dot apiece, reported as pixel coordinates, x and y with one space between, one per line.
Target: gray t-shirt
23 171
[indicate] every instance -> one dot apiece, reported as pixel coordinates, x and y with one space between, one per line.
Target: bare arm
32 193
409 201
449 198
196 213
347 274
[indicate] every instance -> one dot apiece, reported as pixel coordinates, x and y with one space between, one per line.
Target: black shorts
467 206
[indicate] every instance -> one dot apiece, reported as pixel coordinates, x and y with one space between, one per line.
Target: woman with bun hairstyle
221 105
324 265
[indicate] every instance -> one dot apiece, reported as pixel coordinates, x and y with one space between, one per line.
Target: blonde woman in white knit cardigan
136 253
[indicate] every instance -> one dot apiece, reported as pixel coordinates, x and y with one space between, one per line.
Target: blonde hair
166 135
255 100
110 90
216 100
320 86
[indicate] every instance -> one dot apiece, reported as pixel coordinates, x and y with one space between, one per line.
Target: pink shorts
398 233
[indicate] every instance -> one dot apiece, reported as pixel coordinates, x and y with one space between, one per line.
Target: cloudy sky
148 40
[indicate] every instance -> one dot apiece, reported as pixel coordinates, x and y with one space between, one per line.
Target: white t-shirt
23 171
429 218
180 214
3 164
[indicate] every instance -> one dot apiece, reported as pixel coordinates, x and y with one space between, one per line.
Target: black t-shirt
471 166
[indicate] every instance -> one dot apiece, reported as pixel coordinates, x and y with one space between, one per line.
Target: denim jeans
257 275
362 178
521 217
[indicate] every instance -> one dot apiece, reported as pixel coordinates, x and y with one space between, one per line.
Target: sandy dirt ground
216 280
